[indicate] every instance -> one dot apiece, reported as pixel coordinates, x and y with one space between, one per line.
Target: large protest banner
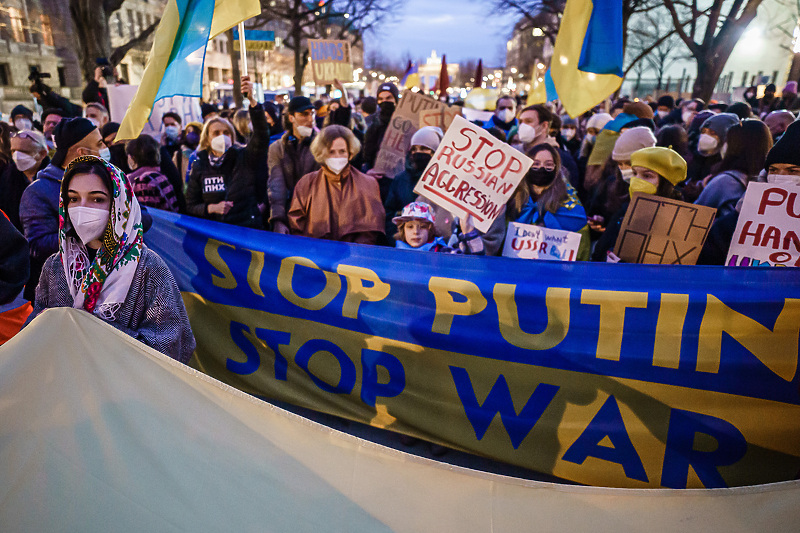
472 173
768 230
617 375
403 125
330 60
128 440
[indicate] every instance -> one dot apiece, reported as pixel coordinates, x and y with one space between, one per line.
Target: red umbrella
444 78
479 74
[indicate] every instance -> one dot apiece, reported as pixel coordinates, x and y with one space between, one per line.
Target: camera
38 86
106 69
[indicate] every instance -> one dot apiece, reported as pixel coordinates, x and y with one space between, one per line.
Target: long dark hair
748 146
551 198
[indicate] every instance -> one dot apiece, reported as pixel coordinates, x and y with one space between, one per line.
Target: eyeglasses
547 166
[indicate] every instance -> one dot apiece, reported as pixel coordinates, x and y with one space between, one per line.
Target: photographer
49 99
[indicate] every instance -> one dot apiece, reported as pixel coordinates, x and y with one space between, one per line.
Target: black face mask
540 176
387 108
420 160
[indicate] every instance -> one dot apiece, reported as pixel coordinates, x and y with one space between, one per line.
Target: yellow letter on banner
776 348
254 272
447 307
612 317
333 283
669 330
557 302
227 281
356 292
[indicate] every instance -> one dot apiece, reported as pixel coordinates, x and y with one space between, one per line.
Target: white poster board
120 97
526 241
472 173
768 230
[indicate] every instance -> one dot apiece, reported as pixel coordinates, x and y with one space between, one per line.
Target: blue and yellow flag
175 65
411 77
587 57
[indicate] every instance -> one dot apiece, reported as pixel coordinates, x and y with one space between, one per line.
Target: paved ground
420 448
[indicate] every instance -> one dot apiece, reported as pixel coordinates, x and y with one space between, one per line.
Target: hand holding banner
472 173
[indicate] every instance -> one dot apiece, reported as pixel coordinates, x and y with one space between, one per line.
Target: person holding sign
545 198
656 170
337 202
222 180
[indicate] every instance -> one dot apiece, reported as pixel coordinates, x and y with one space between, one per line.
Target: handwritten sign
663 231
402 126
330 60
768 231
472 173
535 242
440 117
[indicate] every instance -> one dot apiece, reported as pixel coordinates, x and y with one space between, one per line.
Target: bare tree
653 41
783 26
346 20
710 29
90 19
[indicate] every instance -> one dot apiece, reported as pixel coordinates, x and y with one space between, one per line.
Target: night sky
462 29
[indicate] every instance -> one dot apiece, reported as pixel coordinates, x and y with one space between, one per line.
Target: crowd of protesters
307 168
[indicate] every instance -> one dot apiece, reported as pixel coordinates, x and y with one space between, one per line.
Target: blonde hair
322 142
205 142
242 122
401 234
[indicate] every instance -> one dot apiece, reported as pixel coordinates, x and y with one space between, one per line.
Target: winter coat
289 160
724 191
13 183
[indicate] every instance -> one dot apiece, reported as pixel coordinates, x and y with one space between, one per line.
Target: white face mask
505 115
783 179
221 143
105 154
568 133
706 144
89 223
591 137
662 114
23 124
723 150
687 116
23 161
627 174
336 164
526 133
304 131
172 132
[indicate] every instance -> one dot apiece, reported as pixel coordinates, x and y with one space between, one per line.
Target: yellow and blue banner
586 66
625 375
175 64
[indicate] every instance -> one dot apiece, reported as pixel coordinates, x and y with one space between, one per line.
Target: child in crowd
415 230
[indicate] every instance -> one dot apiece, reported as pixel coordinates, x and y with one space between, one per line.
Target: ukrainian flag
411 77
586 66
175 65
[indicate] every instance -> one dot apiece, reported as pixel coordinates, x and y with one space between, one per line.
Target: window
62 76
775 76
17 24
47 30
131 24
744 78
120 28
140 21
123 71
5 74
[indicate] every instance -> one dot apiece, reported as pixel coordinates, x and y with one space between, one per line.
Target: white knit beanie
598 121
429 136
632 140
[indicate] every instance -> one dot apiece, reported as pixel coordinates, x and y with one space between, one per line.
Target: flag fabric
479 74
537 93
411 77
444 77
587 56
175 64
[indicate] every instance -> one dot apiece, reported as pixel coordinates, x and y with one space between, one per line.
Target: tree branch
119 53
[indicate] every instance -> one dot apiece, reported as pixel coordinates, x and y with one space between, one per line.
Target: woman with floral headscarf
103 267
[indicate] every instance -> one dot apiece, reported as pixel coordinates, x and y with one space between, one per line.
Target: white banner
101 433
535 242
472 173
768 230
188 108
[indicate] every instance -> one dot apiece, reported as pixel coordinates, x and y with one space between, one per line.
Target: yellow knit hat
666 162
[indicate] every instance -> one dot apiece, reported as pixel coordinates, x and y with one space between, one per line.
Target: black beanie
785 150
68 133
21 110
666 101
109 128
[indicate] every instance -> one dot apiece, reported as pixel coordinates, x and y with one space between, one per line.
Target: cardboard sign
472 173
402 126
330 60
440 118
535 242
662 231
768 231
187 107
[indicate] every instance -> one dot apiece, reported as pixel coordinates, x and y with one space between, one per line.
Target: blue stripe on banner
602 44
184 73
255 35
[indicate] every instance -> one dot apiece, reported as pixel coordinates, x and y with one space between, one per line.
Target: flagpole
242 49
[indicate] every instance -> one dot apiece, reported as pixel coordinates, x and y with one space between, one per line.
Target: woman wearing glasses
545 198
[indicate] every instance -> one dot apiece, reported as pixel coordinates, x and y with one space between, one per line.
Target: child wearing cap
656 170
415 229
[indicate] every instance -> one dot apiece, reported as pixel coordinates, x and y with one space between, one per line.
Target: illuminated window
17 24
47 30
